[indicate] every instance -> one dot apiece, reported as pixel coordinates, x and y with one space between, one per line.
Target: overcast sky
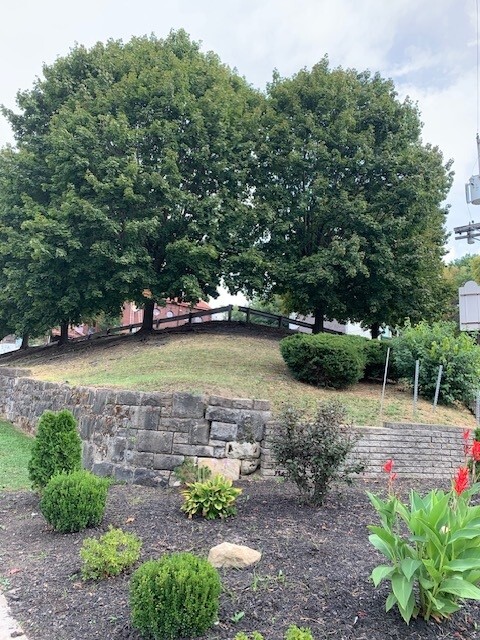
428 48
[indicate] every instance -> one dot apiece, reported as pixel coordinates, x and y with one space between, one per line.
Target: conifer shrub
324 359
313 451
57 448
74 501
176 596
111 554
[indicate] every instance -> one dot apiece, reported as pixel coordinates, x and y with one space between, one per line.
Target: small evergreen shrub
324 359
313 451
74 501
57 447
214 498
434 345
114 552
176 596
189 472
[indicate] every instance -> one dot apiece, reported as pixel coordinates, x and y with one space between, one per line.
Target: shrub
74 501
115 551
189 472
176 596
434 345
313 451
324 359
214 498
298 633
57 448
375 356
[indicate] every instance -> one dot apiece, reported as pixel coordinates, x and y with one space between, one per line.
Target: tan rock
243 450
234 556
227 467
249 466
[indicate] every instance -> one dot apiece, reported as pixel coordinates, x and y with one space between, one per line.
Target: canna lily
460 482
388 466
476 450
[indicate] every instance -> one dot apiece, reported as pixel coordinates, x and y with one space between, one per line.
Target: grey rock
154 441
167 462
223 431
186 405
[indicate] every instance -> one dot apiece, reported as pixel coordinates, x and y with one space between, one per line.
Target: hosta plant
214 498
433 548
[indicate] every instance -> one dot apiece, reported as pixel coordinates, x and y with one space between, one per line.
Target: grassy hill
230 359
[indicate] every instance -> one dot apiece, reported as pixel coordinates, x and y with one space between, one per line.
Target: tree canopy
149 170
142 156
353 198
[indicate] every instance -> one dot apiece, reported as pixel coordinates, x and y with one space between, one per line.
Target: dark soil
313 572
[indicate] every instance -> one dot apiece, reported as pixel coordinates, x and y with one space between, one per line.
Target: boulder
225 466
248 467
234 556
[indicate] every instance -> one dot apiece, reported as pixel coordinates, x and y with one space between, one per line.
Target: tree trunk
24 344
63 332
318 326
147 322
375 330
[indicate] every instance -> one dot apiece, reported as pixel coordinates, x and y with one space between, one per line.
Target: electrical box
469 306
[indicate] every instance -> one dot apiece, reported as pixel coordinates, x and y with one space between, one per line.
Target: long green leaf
460 588
391 601
380 573
465 534
409 566
465 564
379 544
402 588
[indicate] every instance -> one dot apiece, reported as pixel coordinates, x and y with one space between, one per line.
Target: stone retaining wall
141 437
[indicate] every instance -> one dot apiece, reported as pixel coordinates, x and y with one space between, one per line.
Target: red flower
476 450
461 481
466 435
388 466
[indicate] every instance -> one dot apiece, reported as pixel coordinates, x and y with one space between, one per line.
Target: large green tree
144 154
352 198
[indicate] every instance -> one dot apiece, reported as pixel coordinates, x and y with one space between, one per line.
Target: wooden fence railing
278 320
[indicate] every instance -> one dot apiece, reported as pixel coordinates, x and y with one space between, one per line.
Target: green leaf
461 588
408 567
465 534
402 588
391 601
465 564
379 544
380 573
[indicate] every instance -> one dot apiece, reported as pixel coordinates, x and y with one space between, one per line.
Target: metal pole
437 388
415 387
478 150
384 382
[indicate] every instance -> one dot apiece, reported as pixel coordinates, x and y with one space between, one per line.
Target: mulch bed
314 570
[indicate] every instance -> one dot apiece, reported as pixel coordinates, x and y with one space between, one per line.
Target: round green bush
57 448
114 552
176 596
74 501
324 359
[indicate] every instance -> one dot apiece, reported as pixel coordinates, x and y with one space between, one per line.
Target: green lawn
15 449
